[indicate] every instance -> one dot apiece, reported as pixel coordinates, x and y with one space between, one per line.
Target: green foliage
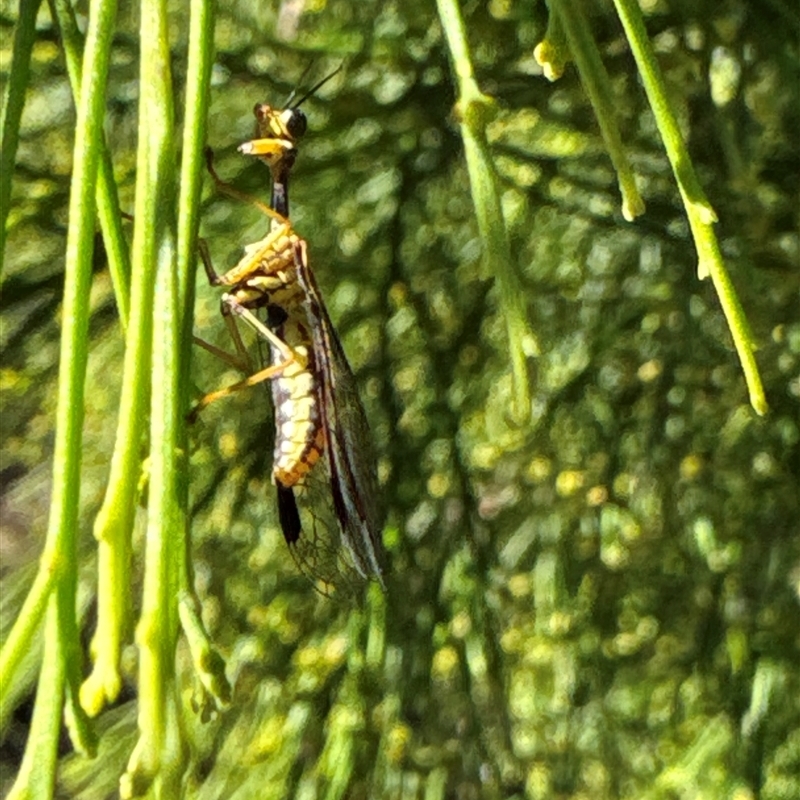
598 602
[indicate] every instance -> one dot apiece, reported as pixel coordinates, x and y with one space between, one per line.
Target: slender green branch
709 253
198 81
58 564
11 113
598 87
698 210
78 724
209 667
157 755
17 685
106 195
74 351
112 529
26 624
37 773
693 196
114 523
215 692
475 110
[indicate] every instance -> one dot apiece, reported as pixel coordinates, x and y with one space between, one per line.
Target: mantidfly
323 467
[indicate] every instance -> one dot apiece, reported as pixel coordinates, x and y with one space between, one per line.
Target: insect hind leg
231 306
251 380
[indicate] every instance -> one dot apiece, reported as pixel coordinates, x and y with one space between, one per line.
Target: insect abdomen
299 434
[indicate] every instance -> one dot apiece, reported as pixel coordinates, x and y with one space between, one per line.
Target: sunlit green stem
58 564
108 212
475 110
11 112
36 776
215 691
209 667
198 81
158 755
114 522
698 210
28 621
598 87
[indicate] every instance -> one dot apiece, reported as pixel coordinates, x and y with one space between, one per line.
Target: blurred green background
601 603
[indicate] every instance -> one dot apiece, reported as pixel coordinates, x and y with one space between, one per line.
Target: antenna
299 83
313 88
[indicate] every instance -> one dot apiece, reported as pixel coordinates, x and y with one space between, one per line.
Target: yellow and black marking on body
323 468
277 132
266 278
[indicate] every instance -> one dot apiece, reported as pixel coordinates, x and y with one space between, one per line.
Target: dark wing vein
353 477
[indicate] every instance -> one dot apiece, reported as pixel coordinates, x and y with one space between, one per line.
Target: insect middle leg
235 303
231 306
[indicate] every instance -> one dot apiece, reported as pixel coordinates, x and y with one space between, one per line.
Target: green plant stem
598 87
698 210
214 690
692 193
13 102
16 587
106 194
209 667
475 110
114 523
36 777
198 82
59 564
157 753
26 624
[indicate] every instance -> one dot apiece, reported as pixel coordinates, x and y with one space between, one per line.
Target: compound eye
297 123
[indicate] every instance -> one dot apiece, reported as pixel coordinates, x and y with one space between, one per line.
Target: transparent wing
308 511
351 461
312 531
